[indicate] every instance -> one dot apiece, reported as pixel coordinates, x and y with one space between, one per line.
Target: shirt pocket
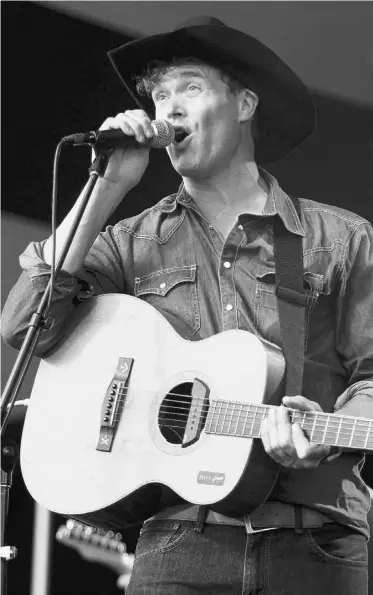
173 292
265 307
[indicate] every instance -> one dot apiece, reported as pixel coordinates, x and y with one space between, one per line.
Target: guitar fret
250 431
339 432
345 433
210 417
218 421
313 426
231 419
320 428
222 413
245 420
367 436
325 431
265 410
352 433
225 430
257 423
361 434
214 418
238 420
242 421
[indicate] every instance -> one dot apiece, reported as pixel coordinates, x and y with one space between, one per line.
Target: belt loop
298 519
201 517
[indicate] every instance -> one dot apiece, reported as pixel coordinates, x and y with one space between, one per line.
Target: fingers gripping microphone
164 134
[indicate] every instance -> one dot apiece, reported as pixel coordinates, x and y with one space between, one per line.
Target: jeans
172 558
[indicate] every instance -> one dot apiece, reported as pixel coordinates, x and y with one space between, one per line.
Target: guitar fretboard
240 419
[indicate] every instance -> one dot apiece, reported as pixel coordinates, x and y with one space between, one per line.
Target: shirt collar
278 203
170 203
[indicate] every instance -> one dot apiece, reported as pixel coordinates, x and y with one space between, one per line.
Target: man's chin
187 170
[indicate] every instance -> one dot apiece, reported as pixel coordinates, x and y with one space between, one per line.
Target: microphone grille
165 134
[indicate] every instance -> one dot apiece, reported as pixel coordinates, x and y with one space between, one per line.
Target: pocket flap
313 281
162 281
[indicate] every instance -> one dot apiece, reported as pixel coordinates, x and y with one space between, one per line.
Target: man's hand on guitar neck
285 442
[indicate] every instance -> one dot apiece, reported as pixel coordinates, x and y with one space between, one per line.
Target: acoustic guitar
125 416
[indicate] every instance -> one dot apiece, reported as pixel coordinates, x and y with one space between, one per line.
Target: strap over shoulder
291 299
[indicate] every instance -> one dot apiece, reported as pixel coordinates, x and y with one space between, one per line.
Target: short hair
146 81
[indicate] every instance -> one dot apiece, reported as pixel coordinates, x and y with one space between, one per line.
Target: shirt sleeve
354 338
103 272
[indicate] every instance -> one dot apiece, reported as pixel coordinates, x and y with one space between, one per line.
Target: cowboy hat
286 110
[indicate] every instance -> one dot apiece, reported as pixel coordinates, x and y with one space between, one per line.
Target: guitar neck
241 419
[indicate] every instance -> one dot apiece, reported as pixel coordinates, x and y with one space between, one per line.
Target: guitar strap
291 300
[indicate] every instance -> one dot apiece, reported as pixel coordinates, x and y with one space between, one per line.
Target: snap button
227 265
229 307
162 285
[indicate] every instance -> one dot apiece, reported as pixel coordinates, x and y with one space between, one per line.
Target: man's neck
223 197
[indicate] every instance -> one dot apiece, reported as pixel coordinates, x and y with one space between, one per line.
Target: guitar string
228 408
238 434
327 417
330 418
329 433
254 418
322 418
333 416
367 445
251 417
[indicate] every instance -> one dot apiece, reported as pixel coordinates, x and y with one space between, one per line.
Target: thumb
301 403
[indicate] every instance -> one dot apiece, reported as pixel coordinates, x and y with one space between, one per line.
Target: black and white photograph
187 297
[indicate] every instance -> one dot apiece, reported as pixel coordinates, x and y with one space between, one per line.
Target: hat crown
286 109
200 21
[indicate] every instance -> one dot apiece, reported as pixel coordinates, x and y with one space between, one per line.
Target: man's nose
175 107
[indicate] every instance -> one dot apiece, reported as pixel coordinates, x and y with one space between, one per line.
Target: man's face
195 97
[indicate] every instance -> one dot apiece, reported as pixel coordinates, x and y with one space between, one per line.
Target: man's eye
193 89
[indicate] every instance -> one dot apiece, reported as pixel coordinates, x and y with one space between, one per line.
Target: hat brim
287 114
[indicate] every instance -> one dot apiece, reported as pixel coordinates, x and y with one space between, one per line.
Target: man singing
234 106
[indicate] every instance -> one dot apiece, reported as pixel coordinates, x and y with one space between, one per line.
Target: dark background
58 80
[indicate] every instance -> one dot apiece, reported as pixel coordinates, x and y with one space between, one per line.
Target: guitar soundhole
174 411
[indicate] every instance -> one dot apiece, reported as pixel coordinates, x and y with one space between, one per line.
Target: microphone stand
37 323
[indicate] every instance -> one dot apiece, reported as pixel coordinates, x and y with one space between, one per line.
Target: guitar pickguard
197 413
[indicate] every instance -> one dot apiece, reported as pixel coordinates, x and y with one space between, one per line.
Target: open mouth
180 134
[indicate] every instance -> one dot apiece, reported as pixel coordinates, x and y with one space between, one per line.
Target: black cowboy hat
286 109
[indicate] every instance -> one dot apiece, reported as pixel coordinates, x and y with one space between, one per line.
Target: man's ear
248 101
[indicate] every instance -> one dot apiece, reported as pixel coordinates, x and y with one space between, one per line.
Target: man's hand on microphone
127 165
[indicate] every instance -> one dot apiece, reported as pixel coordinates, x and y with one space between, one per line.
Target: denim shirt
172 257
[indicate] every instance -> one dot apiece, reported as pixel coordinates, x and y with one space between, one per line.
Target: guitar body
148 465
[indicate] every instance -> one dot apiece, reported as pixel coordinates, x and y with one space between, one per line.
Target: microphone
110 139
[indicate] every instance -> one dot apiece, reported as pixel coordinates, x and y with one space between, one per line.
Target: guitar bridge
197 413
115 396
